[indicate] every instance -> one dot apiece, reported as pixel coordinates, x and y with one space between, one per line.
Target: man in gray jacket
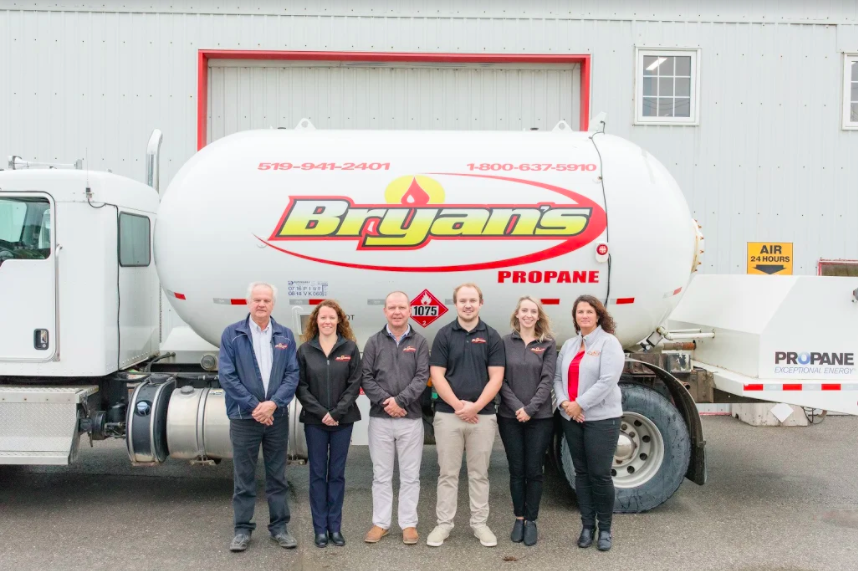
395 372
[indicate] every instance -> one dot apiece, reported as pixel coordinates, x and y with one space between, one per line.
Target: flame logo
425 300
414 190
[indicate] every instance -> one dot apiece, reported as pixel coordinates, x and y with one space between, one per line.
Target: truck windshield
25 228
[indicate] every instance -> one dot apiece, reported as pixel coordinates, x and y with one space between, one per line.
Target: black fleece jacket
329 384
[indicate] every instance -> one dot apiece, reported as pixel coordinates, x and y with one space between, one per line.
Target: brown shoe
375 534
409 536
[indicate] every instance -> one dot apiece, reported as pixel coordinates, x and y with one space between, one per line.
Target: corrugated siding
821 11
767 162
259 95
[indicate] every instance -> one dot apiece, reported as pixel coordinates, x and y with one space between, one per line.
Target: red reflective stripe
315 301
179 295
677 290
238 302
753 387
831 387
550 301
625 300
792 387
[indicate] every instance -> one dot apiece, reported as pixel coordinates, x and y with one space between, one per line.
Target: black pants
592 445
246 436
327 448
525 444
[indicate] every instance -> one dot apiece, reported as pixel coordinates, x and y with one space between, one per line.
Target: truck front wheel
652 454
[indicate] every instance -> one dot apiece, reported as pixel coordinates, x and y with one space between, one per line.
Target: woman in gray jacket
586 386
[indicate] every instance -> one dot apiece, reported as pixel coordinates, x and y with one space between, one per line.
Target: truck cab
79 296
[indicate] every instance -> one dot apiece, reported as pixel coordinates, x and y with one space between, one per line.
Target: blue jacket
238 370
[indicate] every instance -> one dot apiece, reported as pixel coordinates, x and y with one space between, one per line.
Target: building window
133 241
850 92
667 86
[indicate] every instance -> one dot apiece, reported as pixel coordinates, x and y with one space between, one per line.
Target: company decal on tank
414 214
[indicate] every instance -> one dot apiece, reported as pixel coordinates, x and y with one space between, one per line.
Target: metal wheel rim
640 451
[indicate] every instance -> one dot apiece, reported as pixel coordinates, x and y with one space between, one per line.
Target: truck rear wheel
652 454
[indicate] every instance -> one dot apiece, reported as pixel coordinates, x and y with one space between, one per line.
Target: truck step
39 425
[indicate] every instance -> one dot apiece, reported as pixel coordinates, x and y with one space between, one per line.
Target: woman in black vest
329 385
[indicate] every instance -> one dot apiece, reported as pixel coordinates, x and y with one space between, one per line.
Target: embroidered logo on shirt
478 340
594 353
282 346
409 349
343 358
537 349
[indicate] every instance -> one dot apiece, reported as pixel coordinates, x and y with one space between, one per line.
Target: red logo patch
281 346
426 308
343 358
478 340
409 349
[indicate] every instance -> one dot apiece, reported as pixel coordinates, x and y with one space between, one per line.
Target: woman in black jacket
526 417
329 385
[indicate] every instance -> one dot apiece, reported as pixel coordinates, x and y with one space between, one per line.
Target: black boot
517 534
321 540
337 538
529 533
605 540
586 538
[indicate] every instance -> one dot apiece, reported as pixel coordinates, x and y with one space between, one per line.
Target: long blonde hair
542 328
344 328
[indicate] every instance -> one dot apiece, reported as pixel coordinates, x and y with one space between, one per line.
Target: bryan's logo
281 346
414 214
478 340
343 358
409 350
538 349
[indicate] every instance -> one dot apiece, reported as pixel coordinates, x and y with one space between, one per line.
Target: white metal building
752 105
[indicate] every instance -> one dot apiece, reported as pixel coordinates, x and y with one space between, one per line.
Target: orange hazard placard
770 258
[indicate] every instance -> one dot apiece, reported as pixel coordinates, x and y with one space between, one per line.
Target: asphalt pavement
777 499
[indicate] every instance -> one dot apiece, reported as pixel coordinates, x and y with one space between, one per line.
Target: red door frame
427 57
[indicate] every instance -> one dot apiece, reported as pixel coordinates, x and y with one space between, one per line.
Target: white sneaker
438 535
485 535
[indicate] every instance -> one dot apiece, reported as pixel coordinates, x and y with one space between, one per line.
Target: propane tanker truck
352 215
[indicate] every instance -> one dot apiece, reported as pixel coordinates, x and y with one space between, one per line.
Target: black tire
676 445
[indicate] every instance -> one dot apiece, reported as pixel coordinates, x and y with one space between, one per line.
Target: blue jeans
246 436
327 448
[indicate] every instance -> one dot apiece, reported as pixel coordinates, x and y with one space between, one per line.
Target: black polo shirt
467 355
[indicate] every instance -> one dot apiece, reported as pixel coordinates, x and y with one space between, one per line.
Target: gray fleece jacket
399 371
598 375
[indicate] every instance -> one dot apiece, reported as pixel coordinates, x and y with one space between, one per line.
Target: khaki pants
389 438
454 436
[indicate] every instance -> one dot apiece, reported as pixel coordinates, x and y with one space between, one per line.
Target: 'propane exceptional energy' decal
415 214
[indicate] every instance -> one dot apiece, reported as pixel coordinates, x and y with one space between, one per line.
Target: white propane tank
353 215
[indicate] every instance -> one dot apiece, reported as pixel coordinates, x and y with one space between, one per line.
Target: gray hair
253 285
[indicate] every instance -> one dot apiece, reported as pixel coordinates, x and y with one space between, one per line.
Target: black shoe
586 538
285 539
321 540
529 533
337 538
517 534
605 540
239 542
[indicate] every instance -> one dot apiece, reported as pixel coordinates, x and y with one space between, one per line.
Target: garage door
353 95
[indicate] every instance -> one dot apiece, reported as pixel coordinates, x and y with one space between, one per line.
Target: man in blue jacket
258 370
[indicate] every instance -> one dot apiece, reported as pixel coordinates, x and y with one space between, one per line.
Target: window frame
848 59
148 240
694 115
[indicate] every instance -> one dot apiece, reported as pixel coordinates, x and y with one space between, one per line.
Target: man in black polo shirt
466 368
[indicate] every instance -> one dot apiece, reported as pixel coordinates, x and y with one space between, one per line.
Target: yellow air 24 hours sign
770 258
